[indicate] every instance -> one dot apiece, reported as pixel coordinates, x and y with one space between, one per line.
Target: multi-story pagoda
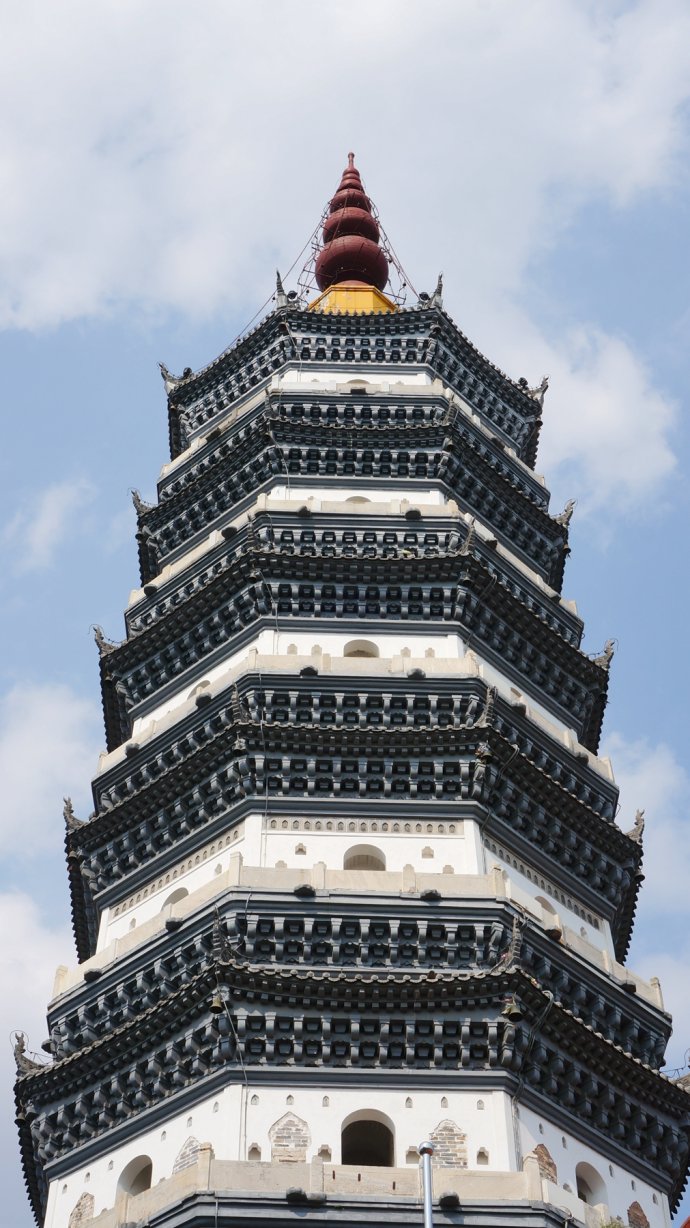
352 877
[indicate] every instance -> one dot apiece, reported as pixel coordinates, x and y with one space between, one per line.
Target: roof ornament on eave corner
280 295
637 830
171 382
435 299
604 658
535 394
563 518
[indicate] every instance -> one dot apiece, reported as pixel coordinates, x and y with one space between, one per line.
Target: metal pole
426 1150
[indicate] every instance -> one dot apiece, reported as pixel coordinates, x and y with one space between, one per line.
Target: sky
158 161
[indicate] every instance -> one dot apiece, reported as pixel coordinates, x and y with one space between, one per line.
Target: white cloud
167 156
48 749
174 155
29 957
38 530
605 438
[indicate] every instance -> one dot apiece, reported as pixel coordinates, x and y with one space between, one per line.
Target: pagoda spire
351 251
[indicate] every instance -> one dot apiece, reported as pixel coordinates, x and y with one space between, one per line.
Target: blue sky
158 160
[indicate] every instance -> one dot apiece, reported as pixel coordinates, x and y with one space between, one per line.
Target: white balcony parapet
496 884
228 1179
252 661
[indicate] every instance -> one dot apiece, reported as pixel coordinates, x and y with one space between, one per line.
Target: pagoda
352 879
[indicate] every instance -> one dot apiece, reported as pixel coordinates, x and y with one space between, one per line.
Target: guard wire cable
272 295
238 1050
490 799
531 1038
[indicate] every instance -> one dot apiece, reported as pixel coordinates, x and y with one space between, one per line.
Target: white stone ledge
269 878
497 884
227 1178
397 666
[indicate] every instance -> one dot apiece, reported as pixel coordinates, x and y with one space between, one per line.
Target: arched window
136 1176
360 648
357 499
179 894
364 857
590 1186
254 1154
368 1137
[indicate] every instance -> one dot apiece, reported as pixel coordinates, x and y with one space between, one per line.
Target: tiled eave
271 344
264 527
485 926
104 834
610 1073
470 469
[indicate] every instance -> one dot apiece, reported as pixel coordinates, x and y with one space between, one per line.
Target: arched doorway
360 648
368 1137
175 896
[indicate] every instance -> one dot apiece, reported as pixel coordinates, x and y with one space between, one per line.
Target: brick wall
82 1212
636 1216
187 1155
290 1138
546 1162
450 1145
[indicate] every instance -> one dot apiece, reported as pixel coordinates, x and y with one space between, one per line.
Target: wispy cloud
607 432
49 742
37 531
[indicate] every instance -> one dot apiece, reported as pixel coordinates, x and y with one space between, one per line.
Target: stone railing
269 878
317 1182
497 884
251 661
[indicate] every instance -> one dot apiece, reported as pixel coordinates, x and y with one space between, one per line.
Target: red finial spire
351 249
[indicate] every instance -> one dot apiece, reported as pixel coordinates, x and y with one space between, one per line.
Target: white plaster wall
591 928
355 495
238 1118
379 378
194 872
487 1127
399 848
567 1152
267 841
